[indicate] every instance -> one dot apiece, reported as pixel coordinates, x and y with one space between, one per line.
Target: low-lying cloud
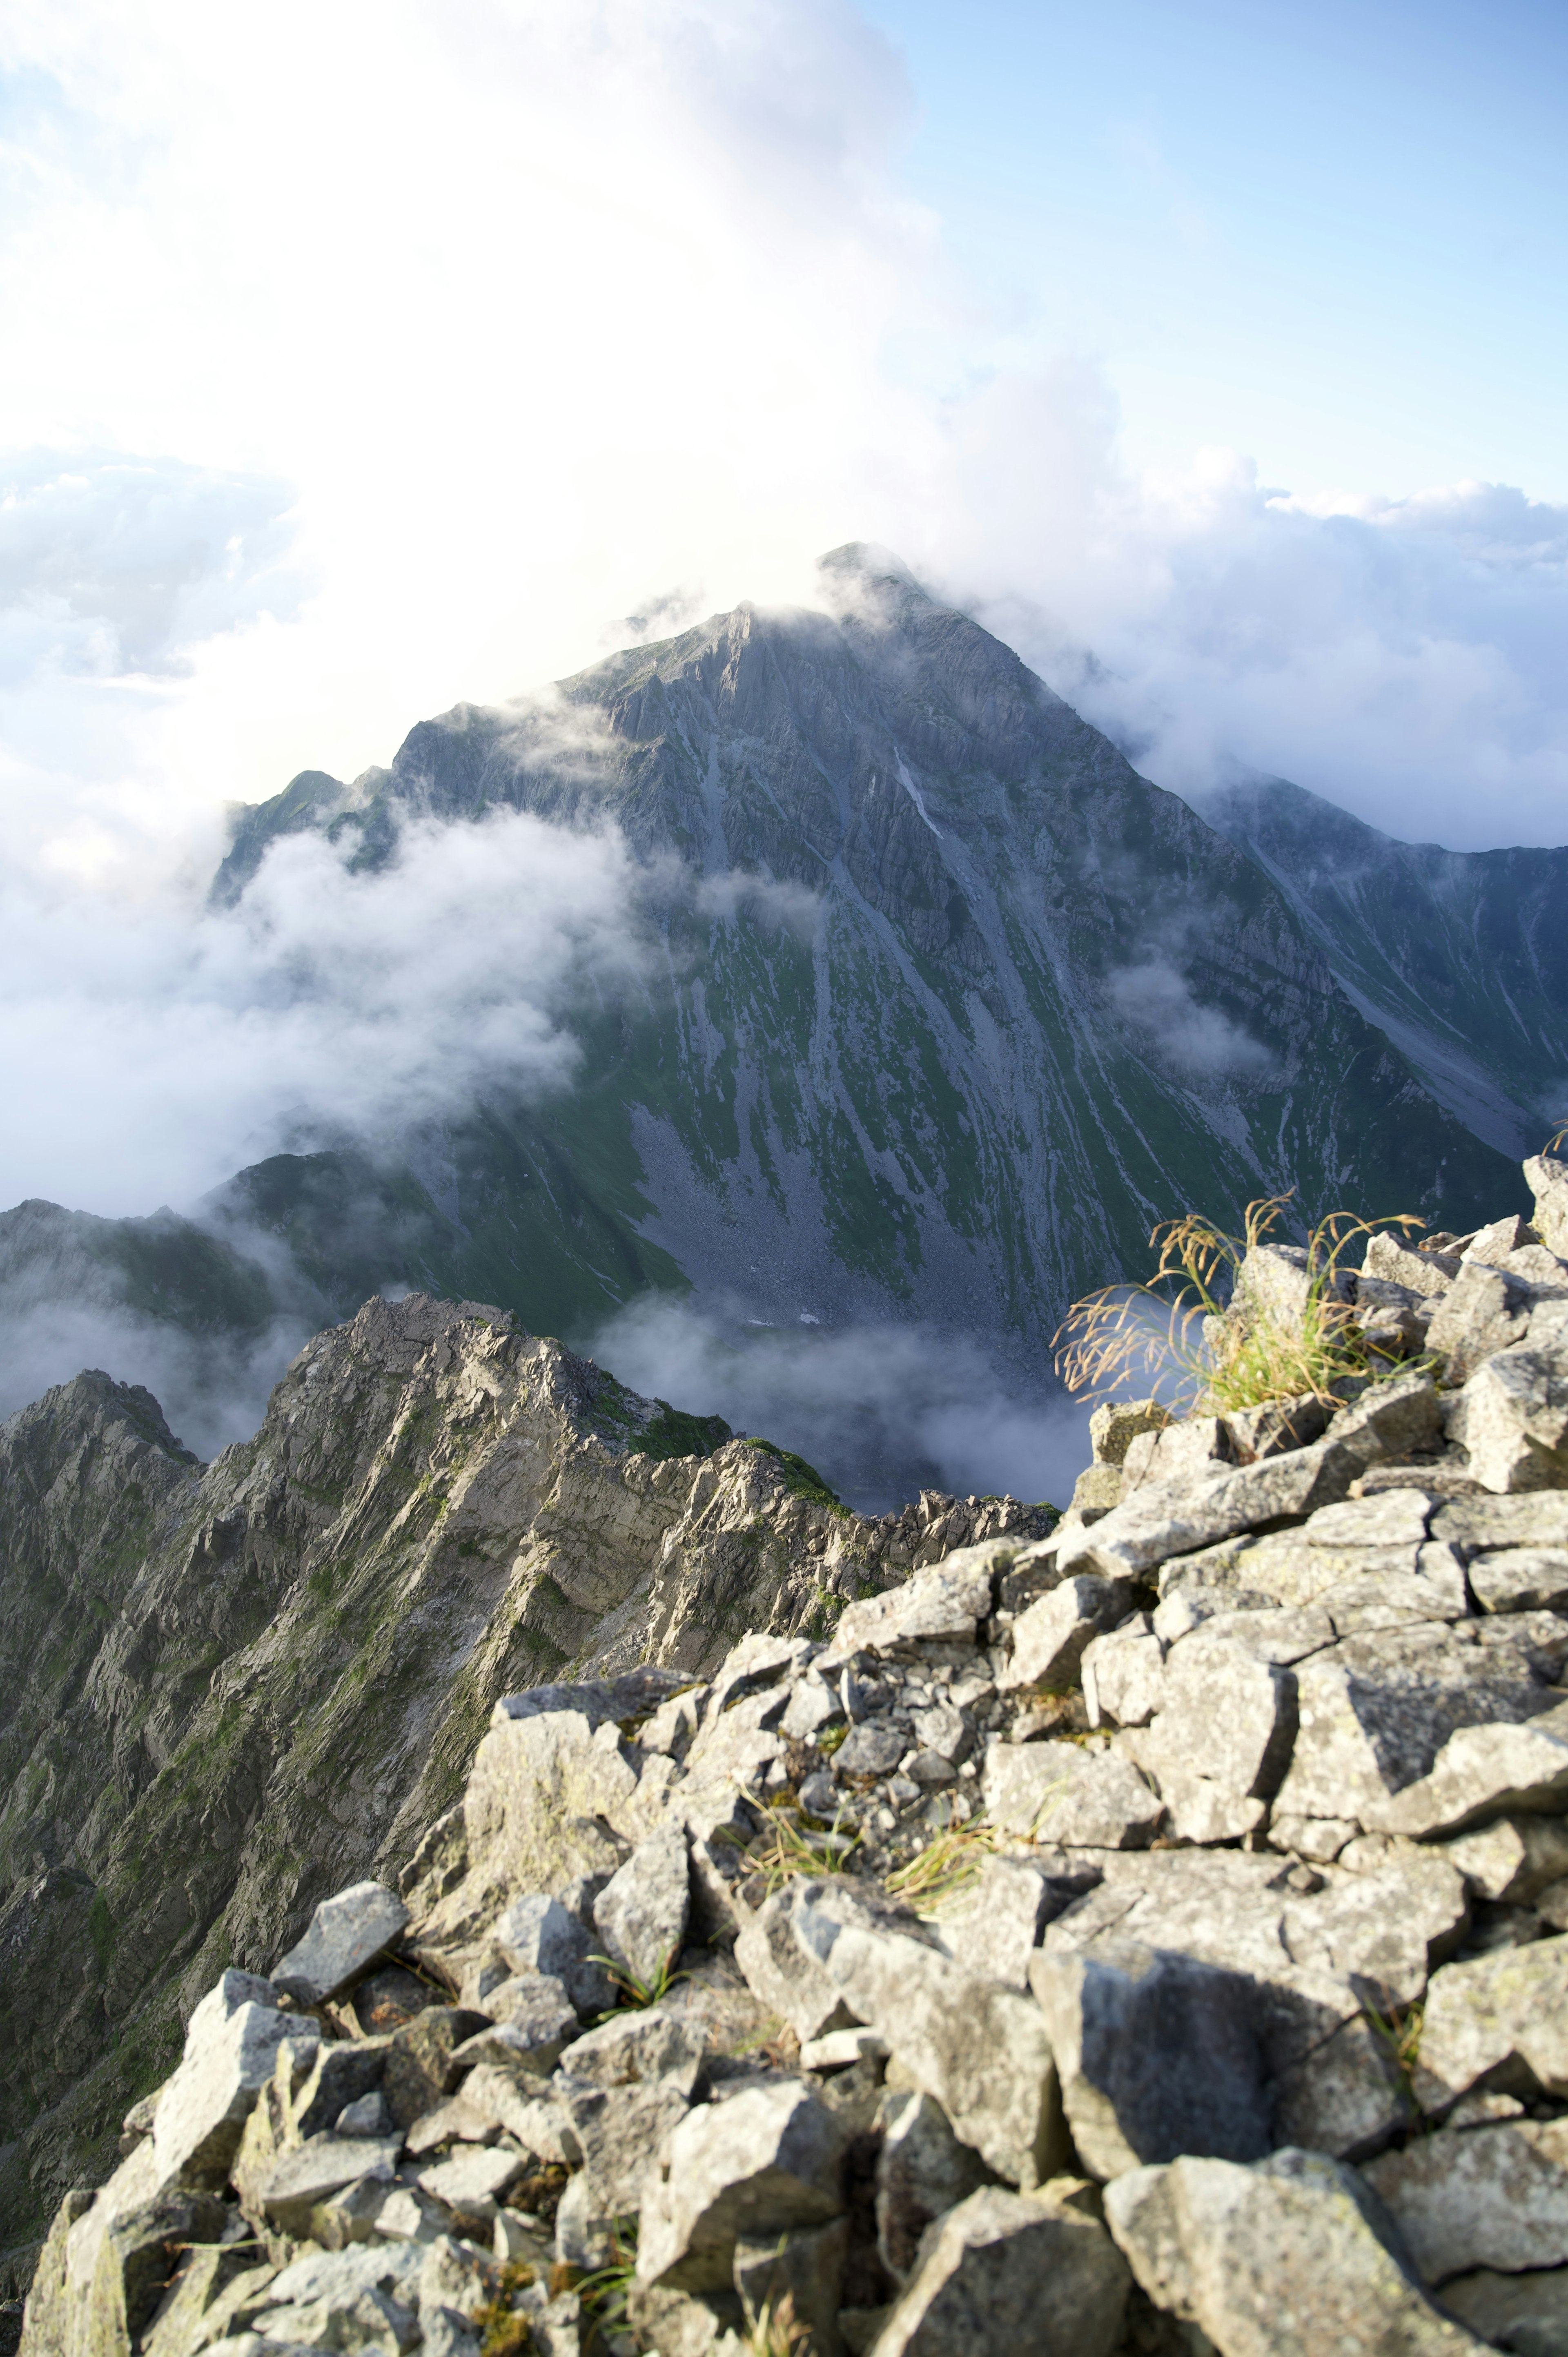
1157 1001
881 1411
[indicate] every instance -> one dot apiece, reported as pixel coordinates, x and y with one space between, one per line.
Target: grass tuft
1189 1326
950 1863
791 1843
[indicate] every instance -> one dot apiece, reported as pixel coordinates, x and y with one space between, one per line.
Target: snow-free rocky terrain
1150 1936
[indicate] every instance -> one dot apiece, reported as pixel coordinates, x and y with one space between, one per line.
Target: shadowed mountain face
1460 956
942 1005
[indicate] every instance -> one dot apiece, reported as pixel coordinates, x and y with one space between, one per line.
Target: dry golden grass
1173 1329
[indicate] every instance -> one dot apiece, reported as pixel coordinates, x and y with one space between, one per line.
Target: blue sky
1333 236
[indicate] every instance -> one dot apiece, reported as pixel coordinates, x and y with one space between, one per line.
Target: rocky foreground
1148 1938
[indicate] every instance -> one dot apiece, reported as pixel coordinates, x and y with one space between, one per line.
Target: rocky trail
1139 1937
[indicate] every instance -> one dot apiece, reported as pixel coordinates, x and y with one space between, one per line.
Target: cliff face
227 1687
1461 956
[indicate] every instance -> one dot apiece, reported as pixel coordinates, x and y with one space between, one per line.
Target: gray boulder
538 1934
784 1973
1157 2054
1013 1900
299 2179
1513 1859
347 1932
618 2130
872 1748
644 2049
1485 1310
943 1605
642 1911
1480 2197
1063 1794
765 2163
1288 2258
1003 2273
231 2046
1123 1675
1480 1772
542 2018
1527 2313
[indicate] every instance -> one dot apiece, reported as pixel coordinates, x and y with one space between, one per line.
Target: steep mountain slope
223 1688
1032 1004
1460 956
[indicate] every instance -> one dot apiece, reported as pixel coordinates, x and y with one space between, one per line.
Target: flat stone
1158 2054
1225 1715
980 2050
1287 2258
1118 1422
1520 1580
1013 1900
1501 2019
1484 1311
1049 1639
1194 1446
459 2120
768 2162
923 2171
1484 2197
642 1913
942 1606
419 2065
231 2046
1389 1258
1003 2272
347 1932
473 2180
1062 1794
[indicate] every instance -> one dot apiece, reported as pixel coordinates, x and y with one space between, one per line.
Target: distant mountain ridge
1034 1004
1460 956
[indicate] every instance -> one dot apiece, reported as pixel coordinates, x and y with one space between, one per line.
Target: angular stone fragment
347 1932
1547 1178
1275 1426
1484 1311
1158 2055
1062 1794
785 1973
980 2051
765 2162
1194 1446
1115 1426
231 2049
1004 2273
1484 2197
872 1748
642 1911
301 2179
1520 1580
1288 2258
473 2180
537 1934
541 2015
939 1606
1513 1859
1512 1418
1049 1639
1123 1675
1376 1713
922 2170
1224 1715
1480 1772
618 2130
419 2066
1499 2020
1389 1258
639 2050
1014 1901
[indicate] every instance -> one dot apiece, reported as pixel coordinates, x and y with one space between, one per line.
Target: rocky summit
1139 1937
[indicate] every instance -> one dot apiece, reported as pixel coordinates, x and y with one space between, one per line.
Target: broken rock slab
765 2163
1158 2054
347 1932
1287 2258
1481 2197
642 1911
1513 1859
1050 1638
943 1605
230 2052
1005 2271
1482 1772
980 2051
1065 1795
1498 2021
1547 1179
1527 2313
1512 1416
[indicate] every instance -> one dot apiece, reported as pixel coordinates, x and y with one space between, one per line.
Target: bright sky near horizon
363 358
